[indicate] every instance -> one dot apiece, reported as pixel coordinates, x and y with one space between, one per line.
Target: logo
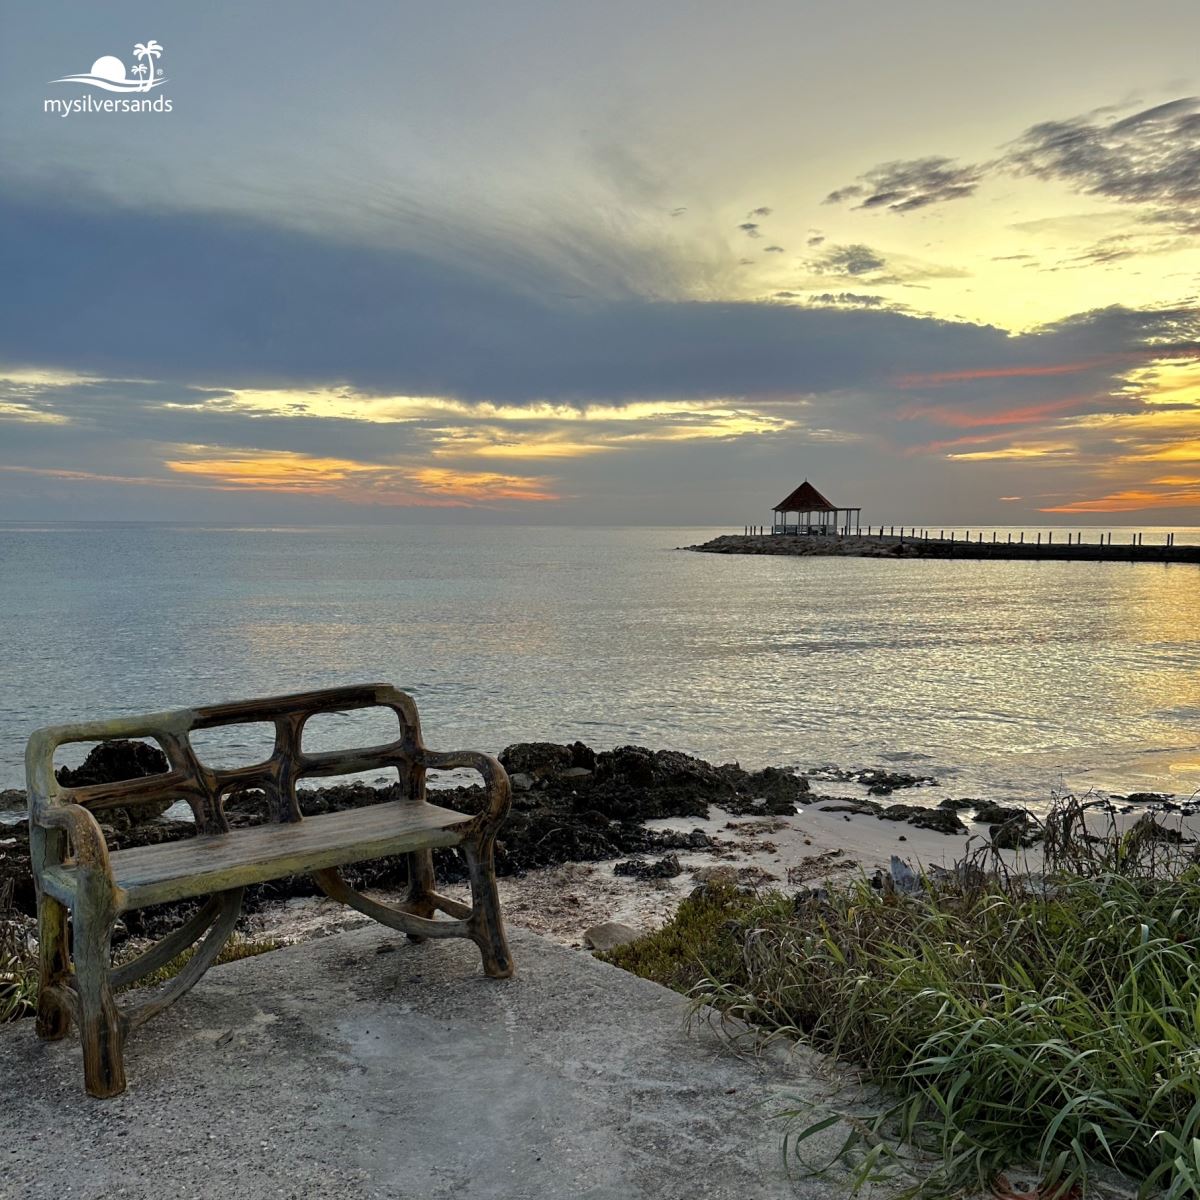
110 74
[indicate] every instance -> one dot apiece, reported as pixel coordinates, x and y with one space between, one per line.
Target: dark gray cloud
848 260
772 249
847 300
191 306
904 186
764 211
1149 158
750 229
815 239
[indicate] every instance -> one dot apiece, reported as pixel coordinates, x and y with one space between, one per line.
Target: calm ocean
1002 678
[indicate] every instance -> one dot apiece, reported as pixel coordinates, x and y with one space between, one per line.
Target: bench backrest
205 788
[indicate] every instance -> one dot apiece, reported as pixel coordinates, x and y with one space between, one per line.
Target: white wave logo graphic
109 73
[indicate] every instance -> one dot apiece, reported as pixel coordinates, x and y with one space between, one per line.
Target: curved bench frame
79 982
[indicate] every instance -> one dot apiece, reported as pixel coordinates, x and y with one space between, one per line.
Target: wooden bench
83 887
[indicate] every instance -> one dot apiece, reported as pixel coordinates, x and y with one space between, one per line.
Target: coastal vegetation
1048 1021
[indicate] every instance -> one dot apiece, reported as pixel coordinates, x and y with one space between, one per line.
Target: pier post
1022 537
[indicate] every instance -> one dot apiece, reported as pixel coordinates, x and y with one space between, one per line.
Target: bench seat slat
199 866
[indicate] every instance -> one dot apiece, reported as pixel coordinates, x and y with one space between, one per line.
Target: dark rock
521 782
539 760
957 805
116 761
1146 828
1143 798
633 782
988 813
1014 833
847 804
12 800
880 782
940 820
665 868
774 790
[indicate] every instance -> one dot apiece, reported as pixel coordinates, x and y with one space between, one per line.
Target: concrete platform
360 1066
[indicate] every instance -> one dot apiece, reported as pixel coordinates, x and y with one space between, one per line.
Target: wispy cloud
1149 158
904 186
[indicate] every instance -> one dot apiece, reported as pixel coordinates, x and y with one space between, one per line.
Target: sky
561 262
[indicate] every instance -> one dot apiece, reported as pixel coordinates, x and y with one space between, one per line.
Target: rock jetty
875 546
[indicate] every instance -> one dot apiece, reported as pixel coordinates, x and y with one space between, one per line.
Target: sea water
1004 679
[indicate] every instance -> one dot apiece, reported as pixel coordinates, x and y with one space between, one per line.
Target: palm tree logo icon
148 50
108 71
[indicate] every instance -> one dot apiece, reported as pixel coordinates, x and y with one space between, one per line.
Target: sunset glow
953 302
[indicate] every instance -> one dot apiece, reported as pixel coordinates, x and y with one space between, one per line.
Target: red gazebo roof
805 498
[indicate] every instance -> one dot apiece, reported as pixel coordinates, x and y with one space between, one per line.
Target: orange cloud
361 483
934 378
960 419
1186 451
482 485
1131 501
1015 452
277 471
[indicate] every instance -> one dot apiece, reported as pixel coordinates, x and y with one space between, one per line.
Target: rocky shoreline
659 821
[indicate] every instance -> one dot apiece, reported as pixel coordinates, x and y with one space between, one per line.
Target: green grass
18 984
701 942
18 971
1054 1023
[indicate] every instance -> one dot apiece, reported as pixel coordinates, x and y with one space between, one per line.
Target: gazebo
814 514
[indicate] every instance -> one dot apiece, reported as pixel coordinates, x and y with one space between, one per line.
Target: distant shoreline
895 546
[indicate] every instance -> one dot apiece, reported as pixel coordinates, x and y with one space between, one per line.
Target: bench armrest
495 781
83 830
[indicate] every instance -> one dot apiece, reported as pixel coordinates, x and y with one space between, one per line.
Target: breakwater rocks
875 546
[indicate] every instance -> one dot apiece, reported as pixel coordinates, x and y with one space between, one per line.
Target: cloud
246 358
844 299
758 212
848 260
858 261
815 239
772 249
905 186
1149 158
750 229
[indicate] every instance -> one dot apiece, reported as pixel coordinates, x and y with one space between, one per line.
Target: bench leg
487 923
54 960
422 883
100 1026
